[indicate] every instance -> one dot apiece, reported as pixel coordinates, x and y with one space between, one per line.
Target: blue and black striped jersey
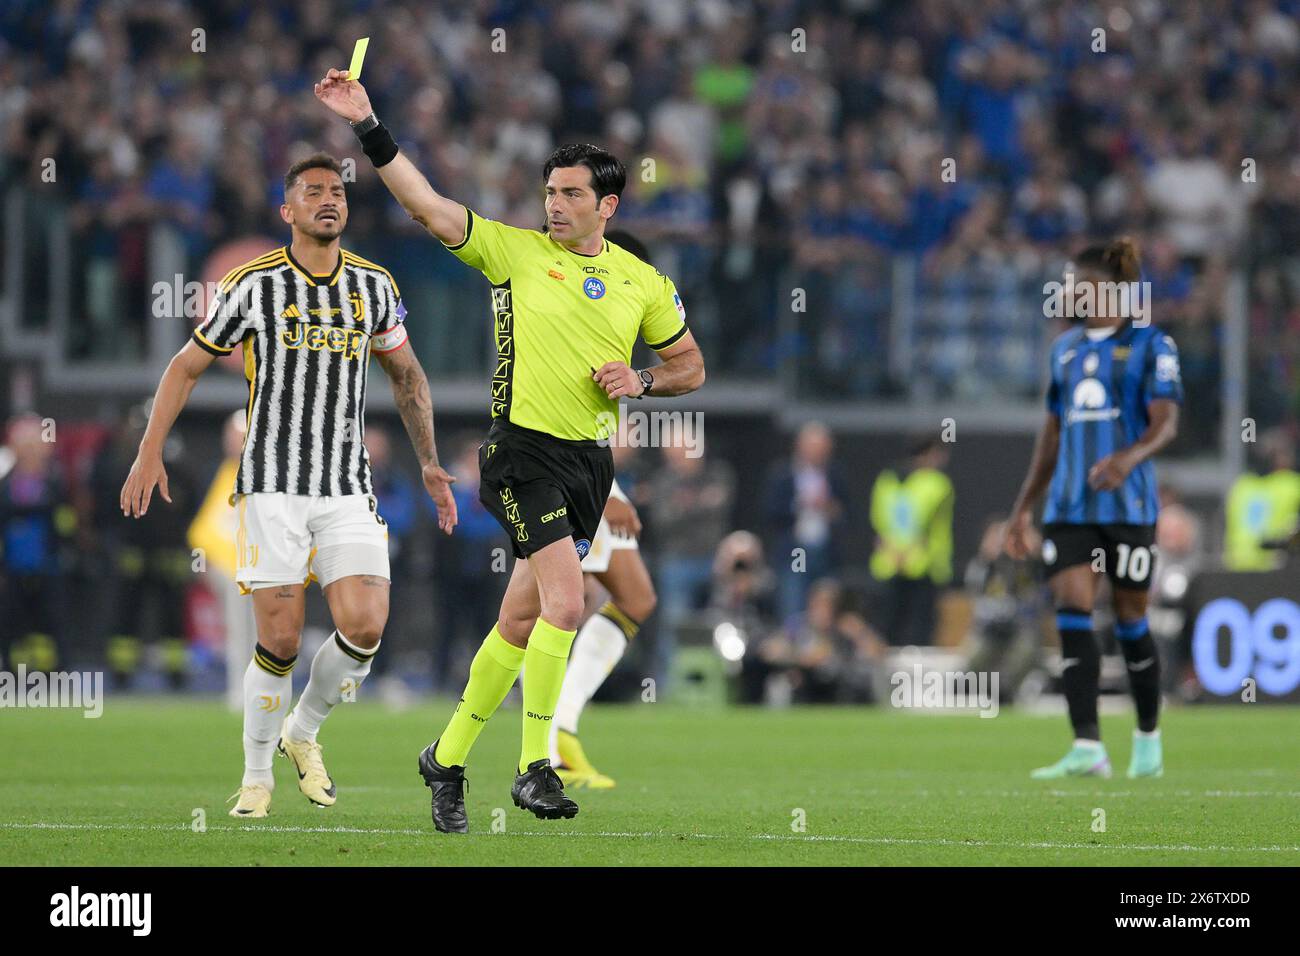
1101 391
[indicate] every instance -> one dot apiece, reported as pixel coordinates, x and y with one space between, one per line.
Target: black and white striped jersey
306 343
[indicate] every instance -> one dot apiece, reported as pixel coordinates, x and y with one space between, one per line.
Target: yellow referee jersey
558 315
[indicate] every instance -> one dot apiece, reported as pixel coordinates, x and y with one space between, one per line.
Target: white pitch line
1018 794
1292 794
878 792
654 834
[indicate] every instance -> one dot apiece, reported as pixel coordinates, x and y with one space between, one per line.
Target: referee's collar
604 248
309 276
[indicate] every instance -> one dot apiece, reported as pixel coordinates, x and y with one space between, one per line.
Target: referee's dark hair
608 175
315 161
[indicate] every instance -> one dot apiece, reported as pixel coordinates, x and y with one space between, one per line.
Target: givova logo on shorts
512 514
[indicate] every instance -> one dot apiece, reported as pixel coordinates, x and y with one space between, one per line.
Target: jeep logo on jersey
594 288
584 547
317 337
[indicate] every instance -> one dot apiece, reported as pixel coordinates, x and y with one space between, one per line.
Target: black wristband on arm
378 145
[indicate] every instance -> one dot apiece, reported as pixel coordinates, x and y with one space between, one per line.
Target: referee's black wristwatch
647 381
363 126
376 141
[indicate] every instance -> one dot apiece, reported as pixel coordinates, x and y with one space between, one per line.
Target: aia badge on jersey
593 287
583 544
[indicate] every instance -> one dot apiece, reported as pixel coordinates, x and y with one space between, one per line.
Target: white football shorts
607 542
297 539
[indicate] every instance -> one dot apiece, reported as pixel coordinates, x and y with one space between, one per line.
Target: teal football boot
1084 760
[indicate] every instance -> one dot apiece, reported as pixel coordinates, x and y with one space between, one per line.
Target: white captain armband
395 337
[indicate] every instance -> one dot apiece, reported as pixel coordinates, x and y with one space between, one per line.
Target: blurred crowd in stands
772 147
799 613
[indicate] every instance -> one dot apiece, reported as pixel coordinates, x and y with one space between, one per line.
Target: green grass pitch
694 787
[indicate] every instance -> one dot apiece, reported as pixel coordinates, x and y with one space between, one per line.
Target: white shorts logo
1049 551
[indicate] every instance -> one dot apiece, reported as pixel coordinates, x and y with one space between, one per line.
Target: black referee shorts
1126 553
541 488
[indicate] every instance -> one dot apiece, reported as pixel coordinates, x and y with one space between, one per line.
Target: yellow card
358 57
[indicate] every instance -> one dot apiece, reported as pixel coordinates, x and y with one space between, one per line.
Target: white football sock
268 689
338 666
596 650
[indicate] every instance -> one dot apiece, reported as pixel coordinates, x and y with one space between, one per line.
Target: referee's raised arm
443 217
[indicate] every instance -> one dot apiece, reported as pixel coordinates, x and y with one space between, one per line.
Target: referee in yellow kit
568 308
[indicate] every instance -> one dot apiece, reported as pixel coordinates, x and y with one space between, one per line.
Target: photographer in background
830 656
1010 602
1179 537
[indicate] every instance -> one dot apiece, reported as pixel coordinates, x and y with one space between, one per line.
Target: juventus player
307 316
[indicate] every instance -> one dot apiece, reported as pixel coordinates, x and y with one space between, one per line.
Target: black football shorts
541 488
1126 553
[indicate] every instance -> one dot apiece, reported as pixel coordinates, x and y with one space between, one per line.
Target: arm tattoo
411 392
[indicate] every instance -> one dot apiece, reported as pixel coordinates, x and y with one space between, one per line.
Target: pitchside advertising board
1246 627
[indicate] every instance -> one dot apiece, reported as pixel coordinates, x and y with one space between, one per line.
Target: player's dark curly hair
315 161
1119 260
608 174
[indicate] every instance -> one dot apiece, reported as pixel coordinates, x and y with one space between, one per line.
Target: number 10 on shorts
1132 564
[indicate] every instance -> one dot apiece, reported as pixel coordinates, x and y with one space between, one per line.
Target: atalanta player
1112 404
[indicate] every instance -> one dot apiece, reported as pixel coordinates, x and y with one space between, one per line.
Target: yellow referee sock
544 662
491 675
